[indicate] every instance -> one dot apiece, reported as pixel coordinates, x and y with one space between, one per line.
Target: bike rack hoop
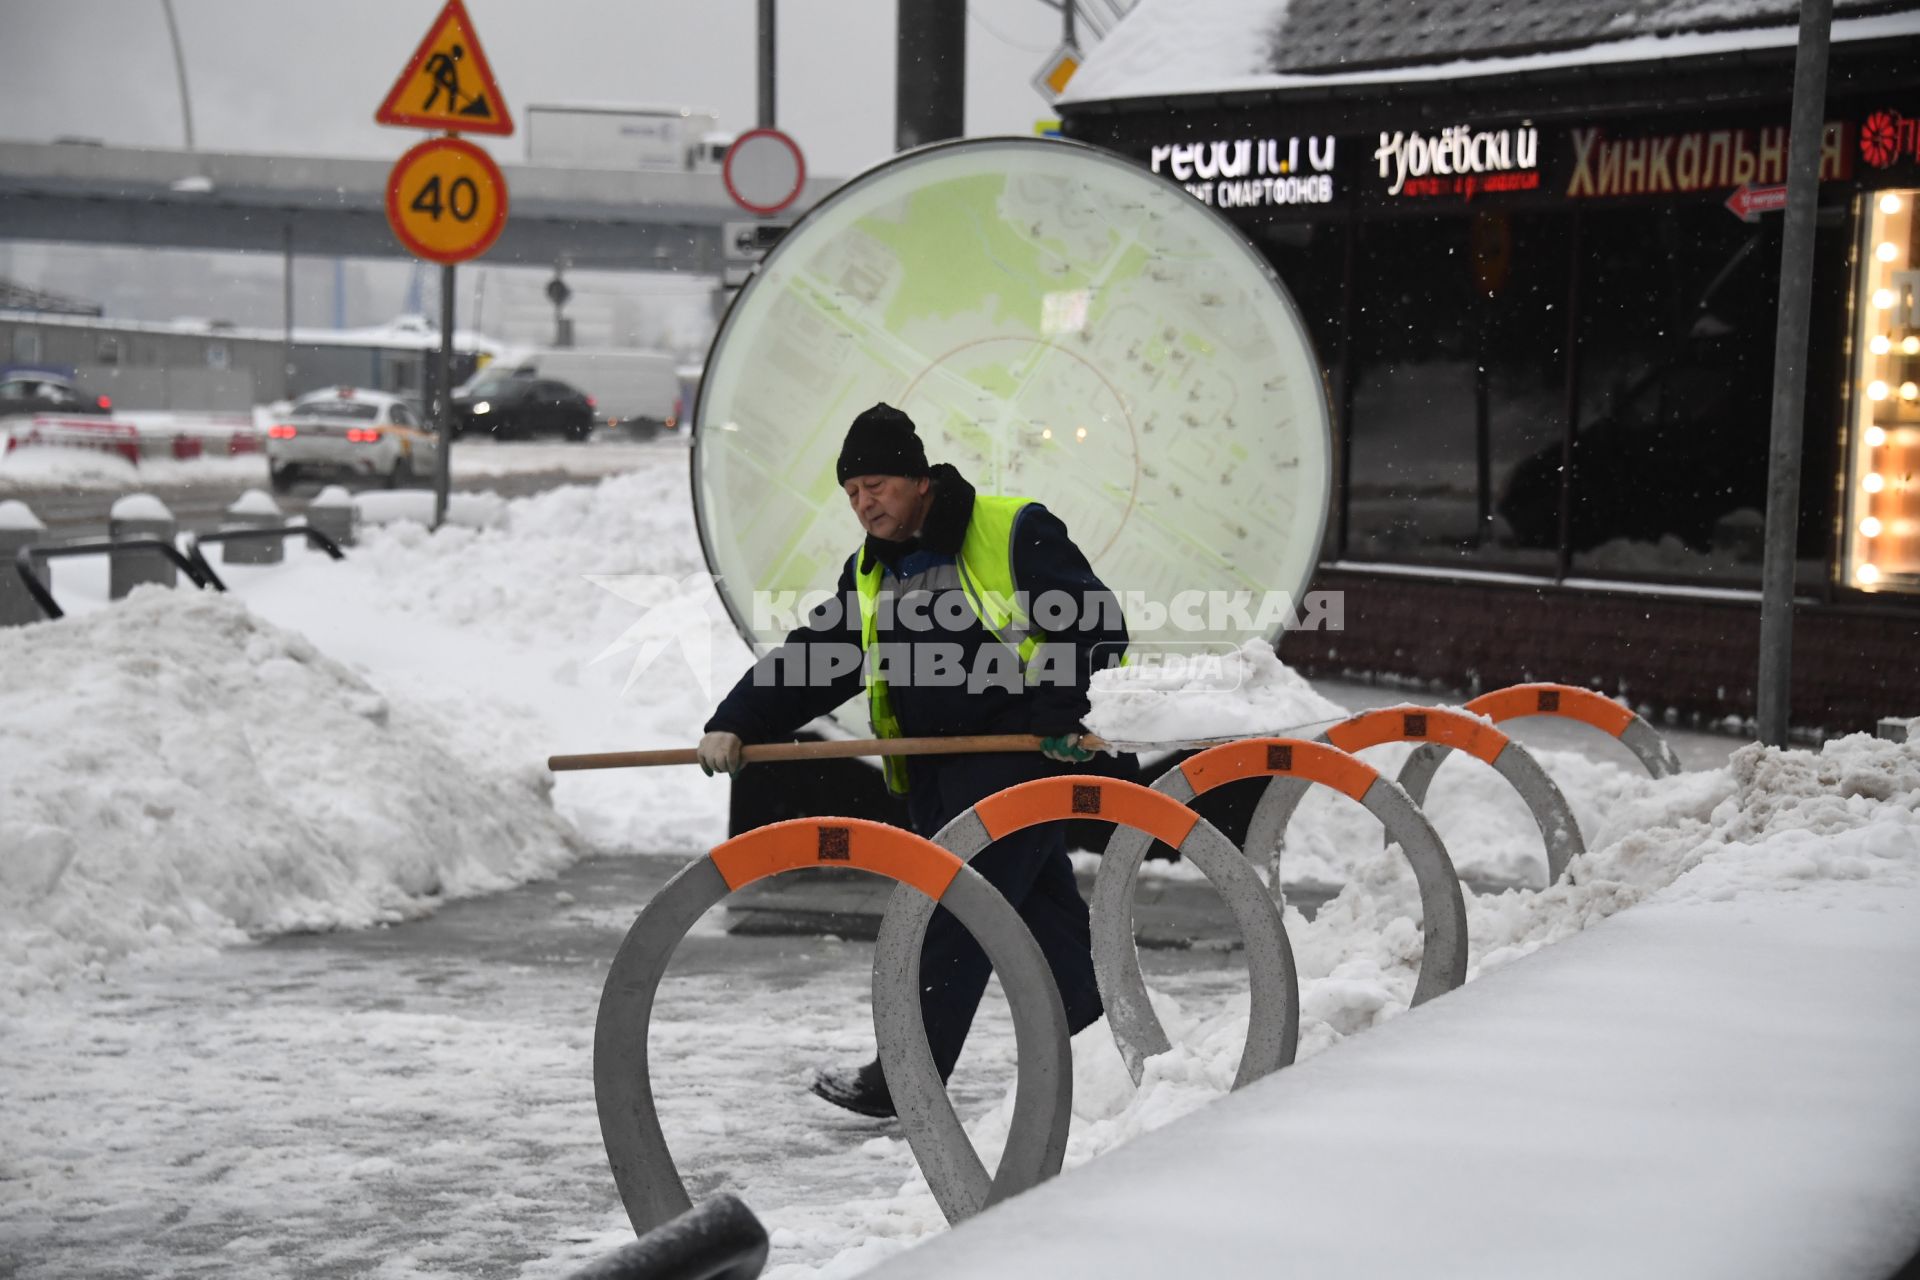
643 1167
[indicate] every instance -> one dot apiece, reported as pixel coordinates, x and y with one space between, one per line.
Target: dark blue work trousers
1031 870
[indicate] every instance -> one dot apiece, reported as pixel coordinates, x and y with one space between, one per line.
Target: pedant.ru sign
1248 173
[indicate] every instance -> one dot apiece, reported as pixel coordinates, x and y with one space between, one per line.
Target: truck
634 392
608 136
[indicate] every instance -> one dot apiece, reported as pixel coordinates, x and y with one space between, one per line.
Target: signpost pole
1775 684
766 64
443 407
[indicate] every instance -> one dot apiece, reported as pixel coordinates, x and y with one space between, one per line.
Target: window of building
1678 310
1458 389
1882 527
26 346
107 349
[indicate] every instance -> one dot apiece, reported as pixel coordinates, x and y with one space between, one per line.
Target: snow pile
33 466
1166 698
585 612
1772 823
177 772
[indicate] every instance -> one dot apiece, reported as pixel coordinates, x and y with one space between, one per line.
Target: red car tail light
106 402
364 435
282 431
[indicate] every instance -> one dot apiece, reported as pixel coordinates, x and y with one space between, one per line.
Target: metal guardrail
189 561
313 536
23 564
717 1239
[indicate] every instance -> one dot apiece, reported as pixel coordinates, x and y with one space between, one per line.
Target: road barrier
1443 908
1453 729
1565 701
187 558
643 1167
1273 1025
23 563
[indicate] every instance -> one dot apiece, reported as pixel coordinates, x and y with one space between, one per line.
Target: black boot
862 1090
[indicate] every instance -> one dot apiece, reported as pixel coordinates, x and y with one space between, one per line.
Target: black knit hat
881 442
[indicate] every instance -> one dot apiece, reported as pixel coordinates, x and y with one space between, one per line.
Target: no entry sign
764 171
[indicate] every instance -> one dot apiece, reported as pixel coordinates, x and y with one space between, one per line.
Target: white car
351 432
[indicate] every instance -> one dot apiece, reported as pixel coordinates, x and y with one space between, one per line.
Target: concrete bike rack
1565 701
644 1169
1443 909
1273 1024
1452 729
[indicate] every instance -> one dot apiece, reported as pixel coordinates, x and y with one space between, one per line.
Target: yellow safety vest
985 563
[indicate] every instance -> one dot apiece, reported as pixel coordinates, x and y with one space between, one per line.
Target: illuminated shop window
1883 497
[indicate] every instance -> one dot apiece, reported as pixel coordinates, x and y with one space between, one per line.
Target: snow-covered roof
1172 47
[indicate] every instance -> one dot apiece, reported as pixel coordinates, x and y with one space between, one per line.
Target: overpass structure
589 218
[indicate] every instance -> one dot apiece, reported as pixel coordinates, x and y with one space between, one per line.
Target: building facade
1544 300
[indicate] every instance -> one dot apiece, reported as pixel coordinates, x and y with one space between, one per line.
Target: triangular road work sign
448 84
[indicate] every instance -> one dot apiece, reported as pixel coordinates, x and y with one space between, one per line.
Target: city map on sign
1059 325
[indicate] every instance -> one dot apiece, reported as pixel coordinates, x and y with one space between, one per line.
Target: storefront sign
1748 203
1250 172
1888 138
1703 160
1460 161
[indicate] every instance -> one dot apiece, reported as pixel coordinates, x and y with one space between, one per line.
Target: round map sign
1060 324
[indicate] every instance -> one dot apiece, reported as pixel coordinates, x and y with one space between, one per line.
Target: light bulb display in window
1881 551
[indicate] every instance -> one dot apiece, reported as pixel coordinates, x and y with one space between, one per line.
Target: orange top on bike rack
1267 757
1102 799
1565 700
1455 729
836 842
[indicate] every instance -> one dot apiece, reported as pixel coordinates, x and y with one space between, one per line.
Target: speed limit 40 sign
447 200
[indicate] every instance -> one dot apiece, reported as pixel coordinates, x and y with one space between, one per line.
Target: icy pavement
418 1100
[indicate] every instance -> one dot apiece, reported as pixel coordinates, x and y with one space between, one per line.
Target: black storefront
1545 306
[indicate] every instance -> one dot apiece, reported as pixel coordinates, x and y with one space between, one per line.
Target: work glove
1064 747
720 753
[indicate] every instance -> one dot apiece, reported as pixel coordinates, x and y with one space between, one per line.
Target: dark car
25 391
515 405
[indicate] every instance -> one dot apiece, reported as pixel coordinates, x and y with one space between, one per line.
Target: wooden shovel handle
960 745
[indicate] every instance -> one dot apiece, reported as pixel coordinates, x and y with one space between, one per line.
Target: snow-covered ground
43 467
345 745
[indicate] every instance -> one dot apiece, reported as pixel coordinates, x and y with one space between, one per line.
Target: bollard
138 515
332 512
254 509
19 527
